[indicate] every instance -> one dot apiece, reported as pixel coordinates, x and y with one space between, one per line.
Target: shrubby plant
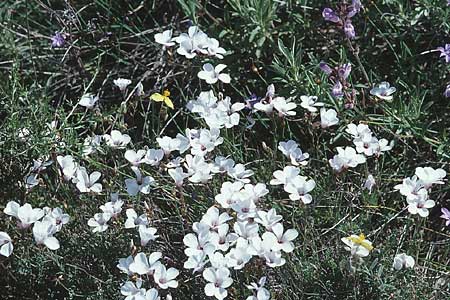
249 152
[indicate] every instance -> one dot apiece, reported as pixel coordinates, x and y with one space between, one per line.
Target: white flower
198 245
383 91
212 74
328 117
88 100
254 192
43 234
195 262
429 176
57 217
25 214
410 187
285 176
88 183
139 184
229 193
178 176
153 157
147 234
358 131
279 239
6 245
100 222
91 144
264 106
245 209
168 144
218 281
31 180
213 219
310 103
133 291
134 220
420 204
245 229
23 134
238 172
114 207
122 83
369 183
145 265
357 245
152 294
214 49
260 292
268 219
403 261
222 164
117 140
194 42
238 256
291 150
124 265
68 166
284 107
346 158
165 278
299 187
206 141
135 158
164 38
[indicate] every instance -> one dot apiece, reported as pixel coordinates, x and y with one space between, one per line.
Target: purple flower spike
445 215
344 70
349 29
58 40
355 8
447 90
325 68
337 90
445 52
329 15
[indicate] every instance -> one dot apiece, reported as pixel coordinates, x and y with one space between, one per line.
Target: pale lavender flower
354 8
58 40
337 90
344 70
349 29
446 214
445 52
329 15
447 90
325 68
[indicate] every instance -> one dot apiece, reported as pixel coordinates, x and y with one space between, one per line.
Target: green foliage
280 42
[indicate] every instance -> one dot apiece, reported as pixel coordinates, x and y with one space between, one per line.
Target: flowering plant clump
252 150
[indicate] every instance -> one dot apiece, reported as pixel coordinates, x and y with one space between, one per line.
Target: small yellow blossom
164 97
361 240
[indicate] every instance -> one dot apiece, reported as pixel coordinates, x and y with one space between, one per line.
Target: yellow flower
164 97
361 240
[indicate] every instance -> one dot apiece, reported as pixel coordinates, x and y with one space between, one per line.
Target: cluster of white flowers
365 142
143 266
292 151
194 42
296 185
46 223
216 113
72 171
284 107
214 248
39 165
416 189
